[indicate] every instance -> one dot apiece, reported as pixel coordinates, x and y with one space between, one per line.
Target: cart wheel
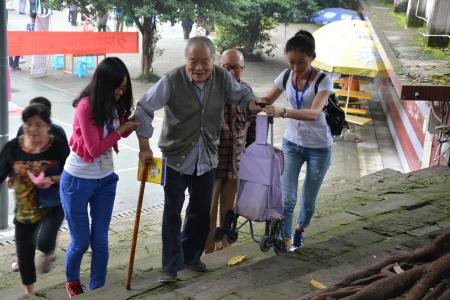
265 244
279 247
229 215
275 227
218 234
232 236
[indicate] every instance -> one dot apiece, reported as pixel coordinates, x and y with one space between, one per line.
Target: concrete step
276 276
357 223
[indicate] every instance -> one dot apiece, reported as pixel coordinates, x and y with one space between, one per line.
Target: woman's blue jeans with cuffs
76 194
317 163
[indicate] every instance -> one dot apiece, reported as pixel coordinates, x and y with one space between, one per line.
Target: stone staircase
358 223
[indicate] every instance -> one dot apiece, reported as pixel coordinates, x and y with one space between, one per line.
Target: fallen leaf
398 269
317 284
236 260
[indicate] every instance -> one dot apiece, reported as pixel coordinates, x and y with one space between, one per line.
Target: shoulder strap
316 86
287 72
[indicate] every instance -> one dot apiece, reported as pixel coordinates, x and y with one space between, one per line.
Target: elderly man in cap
193 97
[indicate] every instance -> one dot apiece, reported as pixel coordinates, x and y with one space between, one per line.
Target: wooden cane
136 225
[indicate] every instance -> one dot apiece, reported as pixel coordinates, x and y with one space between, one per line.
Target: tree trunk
426 274
148 31
253 30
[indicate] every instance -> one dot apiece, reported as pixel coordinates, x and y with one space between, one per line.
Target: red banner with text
54 42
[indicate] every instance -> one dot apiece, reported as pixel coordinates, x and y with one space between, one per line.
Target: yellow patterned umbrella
346 47
343 29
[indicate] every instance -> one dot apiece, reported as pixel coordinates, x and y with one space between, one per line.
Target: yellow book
156 171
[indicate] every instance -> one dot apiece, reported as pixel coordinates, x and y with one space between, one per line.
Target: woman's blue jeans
76 194
317 163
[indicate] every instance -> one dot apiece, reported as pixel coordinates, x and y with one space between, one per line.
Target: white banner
10 4
39 62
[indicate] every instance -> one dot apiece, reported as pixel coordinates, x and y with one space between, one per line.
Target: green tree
351 4
145 12
249 29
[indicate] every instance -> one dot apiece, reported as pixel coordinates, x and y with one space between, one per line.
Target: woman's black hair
38 110
42 100
107 78
302 41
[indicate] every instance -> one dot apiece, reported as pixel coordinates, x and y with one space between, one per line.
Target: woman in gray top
307 137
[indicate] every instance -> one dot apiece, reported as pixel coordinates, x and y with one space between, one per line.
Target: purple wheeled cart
259 190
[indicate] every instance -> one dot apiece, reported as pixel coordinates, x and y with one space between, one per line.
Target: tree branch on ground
425 276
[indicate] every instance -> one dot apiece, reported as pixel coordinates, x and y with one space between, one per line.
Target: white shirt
77 167
311 134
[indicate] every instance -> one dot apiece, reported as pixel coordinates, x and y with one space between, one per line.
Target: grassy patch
436 53
387 3
421 41
401 18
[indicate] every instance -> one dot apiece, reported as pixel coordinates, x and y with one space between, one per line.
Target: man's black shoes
198 267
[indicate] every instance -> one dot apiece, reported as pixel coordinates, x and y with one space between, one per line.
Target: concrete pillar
3 109
411 19
400 5
429 7
439 24
422 8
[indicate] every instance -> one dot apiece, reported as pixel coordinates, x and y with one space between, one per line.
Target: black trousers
14 61
28 236
185 247
33 6
73 16
187 31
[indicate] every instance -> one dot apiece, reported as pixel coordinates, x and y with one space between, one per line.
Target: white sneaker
292 249
15 267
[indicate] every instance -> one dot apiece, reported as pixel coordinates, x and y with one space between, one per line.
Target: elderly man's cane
136 224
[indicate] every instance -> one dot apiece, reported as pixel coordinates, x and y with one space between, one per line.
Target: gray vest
185 118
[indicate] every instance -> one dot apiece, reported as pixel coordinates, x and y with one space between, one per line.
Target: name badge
106 160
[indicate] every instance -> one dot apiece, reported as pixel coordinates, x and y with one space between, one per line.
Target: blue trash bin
81 69
90 61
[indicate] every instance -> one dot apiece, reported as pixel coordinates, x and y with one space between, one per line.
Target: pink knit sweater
87 138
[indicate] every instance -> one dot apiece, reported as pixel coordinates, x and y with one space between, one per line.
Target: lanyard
299 102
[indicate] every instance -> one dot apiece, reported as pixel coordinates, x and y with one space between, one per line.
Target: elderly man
231 139
193 97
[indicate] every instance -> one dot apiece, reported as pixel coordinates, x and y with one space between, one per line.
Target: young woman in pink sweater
101 119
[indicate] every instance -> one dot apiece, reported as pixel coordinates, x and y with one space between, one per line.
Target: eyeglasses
235 67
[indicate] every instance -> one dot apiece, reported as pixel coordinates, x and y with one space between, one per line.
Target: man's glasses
235 68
